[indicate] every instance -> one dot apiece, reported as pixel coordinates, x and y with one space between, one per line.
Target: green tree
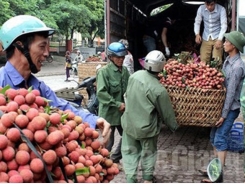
97 21
38 8
72 17
6 12
66 16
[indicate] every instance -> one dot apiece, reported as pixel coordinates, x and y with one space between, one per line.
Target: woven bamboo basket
88 69
196 107
85 70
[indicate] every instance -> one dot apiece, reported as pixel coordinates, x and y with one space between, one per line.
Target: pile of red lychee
65 147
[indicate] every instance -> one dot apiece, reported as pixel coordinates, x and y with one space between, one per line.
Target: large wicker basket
88 69
196 107
85 70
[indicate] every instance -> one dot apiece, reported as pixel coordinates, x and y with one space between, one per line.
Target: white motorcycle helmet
154 61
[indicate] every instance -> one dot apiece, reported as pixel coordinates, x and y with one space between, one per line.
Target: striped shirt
234 70
215 22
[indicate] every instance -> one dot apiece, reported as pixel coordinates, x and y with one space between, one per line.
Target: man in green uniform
112 81
147 106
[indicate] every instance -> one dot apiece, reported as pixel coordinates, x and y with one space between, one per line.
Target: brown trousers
208 52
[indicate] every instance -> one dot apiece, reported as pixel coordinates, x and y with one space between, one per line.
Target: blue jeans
149 43
219 135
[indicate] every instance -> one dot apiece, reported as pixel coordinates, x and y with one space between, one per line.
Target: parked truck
126 19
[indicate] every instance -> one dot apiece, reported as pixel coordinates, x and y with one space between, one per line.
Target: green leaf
101 174
82 146
84 170
29 89
48 124
63 117
5 89
223 73
165 73
47 109
183 79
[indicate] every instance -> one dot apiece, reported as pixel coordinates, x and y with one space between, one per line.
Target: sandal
219 180
205 180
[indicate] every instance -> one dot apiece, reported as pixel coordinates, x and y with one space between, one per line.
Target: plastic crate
236 136
238 126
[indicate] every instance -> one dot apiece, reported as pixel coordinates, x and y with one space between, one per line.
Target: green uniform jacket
111 86
147 106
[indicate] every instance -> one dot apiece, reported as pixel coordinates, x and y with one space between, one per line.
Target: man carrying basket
234 71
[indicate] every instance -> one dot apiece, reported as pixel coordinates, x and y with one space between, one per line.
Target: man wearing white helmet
25 39
128 60
79 57
147 106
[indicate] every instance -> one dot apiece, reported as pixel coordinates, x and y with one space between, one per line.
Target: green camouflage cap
237 39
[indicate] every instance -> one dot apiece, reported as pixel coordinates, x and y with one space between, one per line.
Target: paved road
57 67
180 154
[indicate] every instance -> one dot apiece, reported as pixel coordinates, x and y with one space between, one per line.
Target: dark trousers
67 72
117 155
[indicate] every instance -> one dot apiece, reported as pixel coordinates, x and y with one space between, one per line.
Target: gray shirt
215 22
234 70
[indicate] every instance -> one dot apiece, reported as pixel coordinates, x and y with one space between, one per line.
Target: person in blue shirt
25 39
234 72
214 18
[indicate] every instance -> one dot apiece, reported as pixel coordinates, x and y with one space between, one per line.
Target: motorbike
76 99
50 58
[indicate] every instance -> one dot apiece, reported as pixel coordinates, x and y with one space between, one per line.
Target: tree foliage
97 20
66 16
5 12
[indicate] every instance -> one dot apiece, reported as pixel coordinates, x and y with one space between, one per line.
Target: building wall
83 42
241 18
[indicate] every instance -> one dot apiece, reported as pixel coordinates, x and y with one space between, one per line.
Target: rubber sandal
203 172
205 180
219 179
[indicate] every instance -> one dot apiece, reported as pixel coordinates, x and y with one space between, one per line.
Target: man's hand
198 39
122 107
167 51
218 44
105 129
220 122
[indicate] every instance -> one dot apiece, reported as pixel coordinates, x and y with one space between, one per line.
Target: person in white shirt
128 60
79 57
214 18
